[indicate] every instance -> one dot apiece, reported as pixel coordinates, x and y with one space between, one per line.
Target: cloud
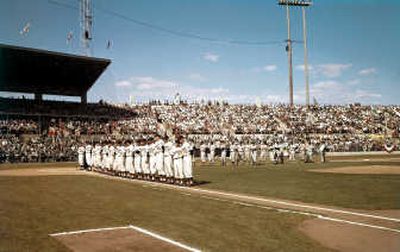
354 82
266 68
123 83
367 71
197 77
211 57
270 68
326 70
302 67
149 83
332 70
334 92
366 95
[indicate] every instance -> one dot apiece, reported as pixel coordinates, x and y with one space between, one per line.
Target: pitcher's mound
115 240
369 169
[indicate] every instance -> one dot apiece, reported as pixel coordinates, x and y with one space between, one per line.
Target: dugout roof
29 70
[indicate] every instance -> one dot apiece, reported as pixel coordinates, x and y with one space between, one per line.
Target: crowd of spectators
341 128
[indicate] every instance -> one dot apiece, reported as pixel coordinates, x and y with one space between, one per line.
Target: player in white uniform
88 156
138 161
129 169
211 155
97 157
152 161
119 161
111 156
253 154
168 162
264 151
187 149
203 148
223 154
104 160
178 163
322 150
159 159
145 164
81 157
234 154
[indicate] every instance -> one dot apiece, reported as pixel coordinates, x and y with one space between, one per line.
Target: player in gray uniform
211 155
234 155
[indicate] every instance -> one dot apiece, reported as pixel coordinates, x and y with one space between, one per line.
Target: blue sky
352 48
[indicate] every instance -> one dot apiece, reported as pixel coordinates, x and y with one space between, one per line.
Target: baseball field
349 204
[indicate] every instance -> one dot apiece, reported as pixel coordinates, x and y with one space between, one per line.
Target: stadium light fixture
295 2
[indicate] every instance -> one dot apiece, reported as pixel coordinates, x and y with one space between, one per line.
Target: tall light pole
86 20
289 3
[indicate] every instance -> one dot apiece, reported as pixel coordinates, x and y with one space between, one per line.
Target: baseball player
81 157
187 163
203 148
104 160
130 171
88 157
159 158
138 162
168 146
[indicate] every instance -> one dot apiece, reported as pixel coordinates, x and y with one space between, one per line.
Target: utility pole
306 69
288 4
86 21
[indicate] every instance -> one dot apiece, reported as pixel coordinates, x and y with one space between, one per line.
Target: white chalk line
139 229
178 244
254 198
319 216
89 230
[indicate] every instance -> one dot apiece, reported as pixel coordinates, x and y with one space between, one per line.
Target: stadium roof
29 70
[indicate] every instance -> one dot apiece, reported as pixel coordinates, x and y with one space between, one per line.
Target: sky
353 53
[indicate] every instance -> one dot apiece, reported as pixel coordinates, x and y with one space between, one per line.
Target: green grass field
33 207
292 181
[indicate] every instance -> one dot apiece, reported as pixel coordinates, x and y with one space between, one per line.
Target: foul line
178 244
254 198
89 230
319 216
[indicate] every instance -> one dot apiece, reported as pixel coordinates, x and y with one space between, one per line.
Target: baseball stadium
97 154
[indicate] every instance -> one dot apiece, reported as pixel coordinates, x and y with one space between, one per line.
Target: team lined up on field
155 160
172 161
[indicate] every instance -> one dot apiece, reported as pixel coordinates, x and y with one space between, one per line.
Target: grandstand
41 72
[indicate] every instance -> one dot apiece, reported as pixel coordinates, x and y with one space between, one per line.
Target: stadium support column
84 98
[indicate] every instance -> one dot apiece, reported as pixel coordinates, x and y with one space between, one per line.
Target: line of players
252 153
153 160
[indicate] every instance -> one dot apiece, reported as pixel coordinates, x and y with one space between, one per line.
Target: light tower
303 4
86 20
